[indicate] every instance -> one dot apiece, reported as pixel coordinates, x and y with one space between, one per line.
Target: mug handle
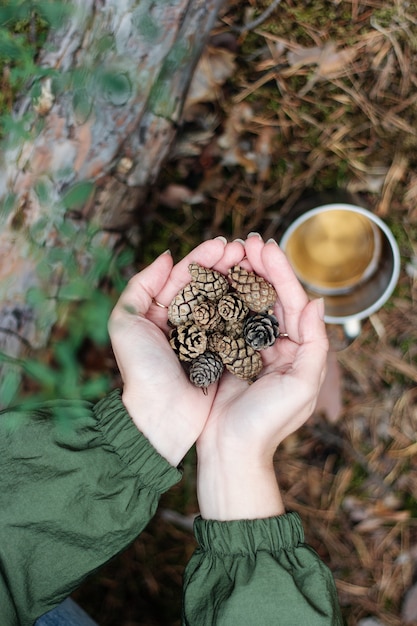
352 329
341 336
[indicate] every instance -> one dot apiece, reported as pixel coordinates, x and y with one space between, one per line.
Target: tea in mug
333 251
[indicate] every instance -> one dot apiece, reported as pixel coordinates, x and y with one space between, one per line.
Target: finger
309 365
310 361
254 246
234 252
292 299
206 254
253 249
269 261
144 286
312 325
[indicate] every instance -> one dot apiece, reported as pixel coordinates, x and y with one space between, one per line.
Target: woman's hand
164 405
236 478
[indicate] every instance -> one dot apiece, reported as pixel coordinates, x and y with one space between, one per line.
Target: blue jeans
68 613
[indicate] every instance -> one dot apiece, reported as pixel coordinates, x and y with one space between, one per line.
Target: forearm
79 483
252 565
233 489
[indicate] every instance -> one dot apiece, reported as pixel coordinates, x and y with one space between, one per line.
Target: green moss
359 477
405 236
321 18
410 504
385 16
333 177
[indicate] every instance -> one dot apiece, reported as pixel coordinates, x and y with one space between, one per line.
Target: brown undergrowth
320 96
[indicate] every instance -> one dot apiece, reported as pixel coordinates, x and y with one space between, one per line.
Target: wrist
236 489
153 425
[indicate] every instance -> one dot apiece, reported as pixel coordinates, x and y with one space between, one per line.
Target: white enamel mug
347 255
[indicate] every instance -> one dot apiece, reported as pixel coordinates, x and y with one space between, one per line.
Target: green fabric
78 484
251 572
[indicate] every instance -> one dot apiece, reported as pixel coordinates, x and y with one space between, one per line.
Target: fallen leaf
330 61
263 151
214 68
174 196
304 56
234 150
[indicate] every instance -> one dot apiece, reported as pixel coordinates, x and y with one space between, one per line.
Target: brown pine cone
206 369
234 328
188 341
206 316
239 358
214 341
208 282
232 307
181 308
261 330
255 291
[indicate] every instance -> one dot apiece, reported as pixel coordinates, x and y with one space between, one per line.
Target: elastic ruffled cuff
246 537
133 448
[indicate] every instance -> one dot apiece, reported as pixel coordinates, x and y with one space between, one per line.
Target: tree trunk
96 138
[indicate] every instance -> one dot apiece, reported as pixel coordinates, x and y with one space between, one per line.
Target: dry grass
323 96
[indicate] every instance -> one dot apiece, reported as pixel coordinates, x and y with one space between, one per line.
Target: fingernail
223 239
167 252
272 240
320 307
253 234
239 240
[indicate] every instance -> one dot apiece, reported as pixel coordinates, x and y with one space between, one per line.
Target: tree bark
94 140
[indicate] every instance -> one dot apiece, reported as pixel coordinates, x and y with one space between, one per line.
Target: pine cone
234 328
255 291
216 328
188 341
214 341
260 330
239 358
208 282
232 307
181 308
206 316
206 369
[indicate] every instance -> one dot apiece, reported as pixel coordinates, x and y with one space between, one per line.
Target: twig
184 522
13 333
258 21
343 444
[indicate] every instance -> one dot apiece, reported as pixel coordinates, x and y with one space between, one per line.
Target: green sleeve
78 484
257 572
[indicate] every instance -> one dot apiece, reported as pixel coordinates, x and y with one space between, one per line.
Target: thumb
311 325
144 286
310 362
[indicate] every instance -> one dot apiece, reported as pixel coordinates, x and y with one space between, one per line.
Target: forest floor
320 96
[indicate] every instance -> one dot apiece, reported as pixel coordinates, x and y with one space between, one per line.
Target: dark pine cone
206 369
188 341
261 330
